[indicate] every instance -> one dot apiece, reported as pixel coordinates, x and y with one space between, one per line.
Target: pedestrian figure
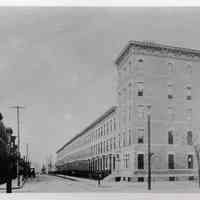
99 179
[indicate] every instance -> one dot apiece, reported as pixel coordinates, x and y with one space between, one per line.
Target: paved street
45 183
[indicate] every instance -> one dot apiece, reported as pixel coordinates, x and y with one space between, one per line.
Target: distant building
94 145
148 73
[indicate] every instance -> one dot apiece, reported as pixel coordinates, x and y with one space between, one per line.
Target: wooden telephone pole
17 107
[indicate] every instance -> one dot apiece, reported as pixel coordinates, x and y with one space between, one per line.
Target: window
106 162
111 144
189 114
111 125
140 161
140 88
190 161
114 143
119 140
170 161
104 129
140 179
170 137
114 122
171 68
99 148
107 145
129 91
170 91
114 162
172 178
140 112
191 178
139 65
101 130
140 133
129 112
129 137
107 128
124 139
189 69
171 113
189 138
188 93
126 159
140 60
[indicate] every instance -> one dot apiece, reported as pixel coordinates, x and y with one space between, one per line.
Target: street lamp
149 144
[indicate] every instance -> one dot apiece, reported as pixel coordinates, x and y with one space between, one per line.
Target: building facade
93 148
160 76
116 143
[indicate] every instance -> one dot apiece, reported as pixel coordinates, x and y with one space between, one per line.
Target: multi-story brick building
92 149
161 76
148 74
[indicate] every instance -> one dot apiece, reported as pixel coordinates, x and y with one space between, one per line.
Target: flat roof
155 45
102 117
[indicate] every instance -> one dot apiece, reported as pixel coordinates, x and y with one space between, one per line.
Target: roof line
154 45
103 116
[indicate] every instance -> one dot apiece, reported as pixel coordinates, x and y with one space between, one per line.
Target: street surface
47 183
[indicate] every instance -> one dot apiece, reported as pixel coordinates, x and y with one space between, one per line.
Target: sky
59 63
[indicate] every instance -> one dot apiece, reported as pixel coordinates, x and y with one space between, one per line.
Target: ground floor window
191 178
117 179
190 161
172 178
140 179
140 161
114 163
171 161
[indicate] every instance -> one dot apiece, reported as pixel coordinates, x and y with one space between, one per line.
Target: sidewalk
123 186
14 185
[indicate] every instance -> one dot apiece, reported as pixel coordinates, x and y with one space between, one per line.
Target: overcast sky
59 63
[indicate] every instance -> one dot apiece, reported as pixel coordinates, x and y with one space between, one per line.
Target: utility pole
27 153
149 145
18 139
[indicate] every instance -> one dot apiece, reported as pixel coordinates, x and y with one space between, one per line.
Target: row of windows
171 137
107 128
188 92
140 91
126 140
141 113
171 161
104 146
128 68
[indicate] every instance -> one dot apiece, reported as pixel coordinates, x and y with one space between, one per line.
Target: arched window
171 68
188 92
170 137
190 161
170 91
140 88
189 137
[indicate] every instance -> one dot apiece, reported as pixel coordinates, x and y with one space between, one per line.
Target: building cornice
152 48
